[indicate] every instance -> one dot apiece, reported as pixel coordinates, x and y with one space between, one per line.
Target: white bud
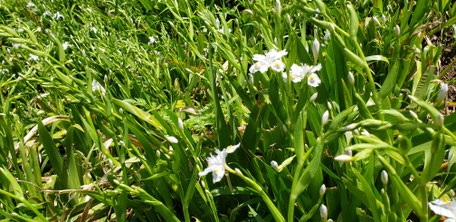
330 105
313 97
414 115
120 110
324 118
351 78
323 212
288 19
171 139
384 177
158 153
443 92
105 78
275 166
439 120
203 184
248 11
278 6
348 152
322 190
350 127
315 48
376 20
343 158
397 30
251 78
180 123
238 172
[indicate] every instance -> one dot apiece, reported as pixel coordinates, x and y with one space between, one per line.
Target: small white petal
313 80
278 66
171 139
232 148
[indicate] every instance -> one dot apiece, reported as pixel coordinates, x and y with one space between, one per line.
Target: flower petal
232 148
218 173
441 208
278 66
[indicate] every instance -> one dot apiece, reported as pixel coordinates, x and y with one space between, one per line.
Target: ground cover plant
268 110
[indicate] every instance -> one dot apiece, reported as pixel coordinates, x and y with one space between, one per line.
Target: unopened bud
313 97
288 19
105 78
158 153
397 30
350 127
439 120
343 158
171 139
322 190
376 20
120 110
323 212
384 177
238 172
248 11
315 48
324 118
180 123
351 78
278 6
413 114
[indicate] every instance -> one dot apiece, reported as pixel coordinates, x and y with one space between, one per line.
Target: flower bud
384 177
248 11
313 97
288 19
238 172
323 212
180 123
350 127
120 110
171 139
439 120
376 20
324 118
397 30
278 6
158 153
343 158
322 190
351 78
315 48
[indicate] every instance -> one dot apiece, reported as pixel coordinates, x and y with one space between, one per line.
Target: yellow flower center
229 147
277 64
312 78
256 66
216 170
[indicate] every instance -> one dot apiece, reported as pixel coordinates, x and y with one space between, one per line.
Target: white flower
57 16
65 45
171 139
270 59
34 57
151 40
30 4
96 86
444 208
216 164
95 30
297 73
231 148
46 13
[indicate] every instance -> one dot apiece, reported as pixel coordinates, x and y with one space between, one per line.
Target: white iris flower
297 73
216 164
444 208
270 59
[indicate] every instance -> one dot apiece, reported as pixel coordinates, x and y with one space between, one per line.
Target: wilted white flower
343 158
30 5
444 208
270 59
34 57
323 212
216 164
275 166
171 139
315 48
384 177
324 118
443 92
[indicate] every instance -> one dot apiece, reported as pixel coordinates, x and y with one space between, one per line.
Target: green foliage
111 108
